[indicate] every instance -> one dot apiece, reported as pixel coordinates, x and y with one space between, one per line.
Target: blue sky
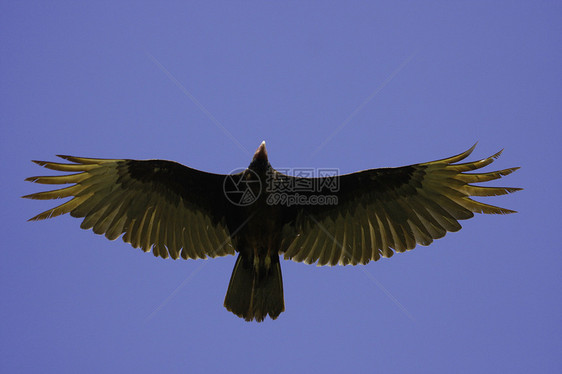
347 85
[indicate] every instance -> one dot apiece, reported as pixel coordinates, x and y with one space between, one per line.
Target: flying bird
177 211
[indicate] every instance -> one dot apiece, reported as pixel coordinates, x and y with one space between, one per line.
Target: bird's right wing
161 205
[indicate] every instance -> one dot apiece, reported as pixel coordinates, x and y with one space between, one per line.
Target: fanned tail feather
252 295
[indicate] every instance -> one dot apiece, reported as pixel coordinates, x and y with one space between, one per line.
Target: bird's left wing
380 210
161 205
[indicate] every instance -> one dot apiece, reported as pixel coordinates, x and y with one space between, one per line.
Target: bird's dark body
256 286
176 211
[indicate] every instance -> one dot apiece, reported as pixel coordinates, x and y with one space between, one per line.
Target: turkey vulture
261 213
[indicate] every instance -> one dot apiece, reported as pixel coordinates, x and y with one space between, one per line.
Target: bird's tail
255 294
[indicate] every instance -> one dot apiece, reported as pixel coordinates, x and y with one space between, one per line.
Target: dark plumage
350 219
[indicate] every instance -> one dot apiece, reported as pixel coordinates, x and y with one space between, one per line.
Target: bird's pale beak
261 152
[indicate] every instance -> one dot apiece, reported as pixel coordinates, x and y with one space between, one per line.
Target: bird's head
260 163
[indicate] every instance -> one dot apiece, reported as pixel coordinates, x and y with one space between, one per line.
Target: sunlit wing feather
382 211
154 204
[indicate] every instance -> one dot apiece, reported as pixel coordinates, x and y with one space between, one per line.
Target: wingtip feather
497 154
85 160
67 157
456 158
40 163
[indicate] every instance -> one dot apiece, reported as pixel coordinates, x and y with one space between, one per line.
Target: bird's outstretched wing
382 210
175 210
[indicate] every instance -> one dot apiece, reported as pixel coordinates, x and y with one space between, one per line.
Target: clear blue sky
403 82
